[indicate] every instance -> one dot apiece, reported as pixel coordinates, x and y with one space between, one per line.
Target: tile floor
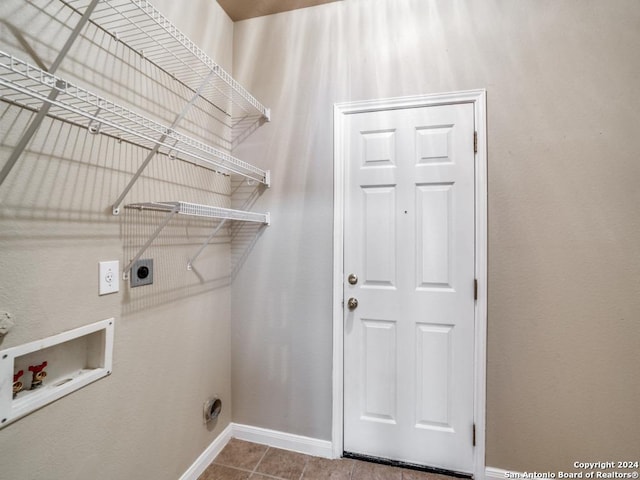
242 460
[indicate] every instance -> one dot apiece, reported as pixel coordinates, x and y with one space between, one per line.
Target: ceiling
243 9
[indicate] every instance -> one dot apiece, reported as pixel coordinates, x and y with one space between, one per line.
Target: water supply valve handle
38 375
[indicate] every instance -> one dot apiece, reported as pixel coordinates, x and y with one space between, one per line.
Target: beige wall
172 339
564 292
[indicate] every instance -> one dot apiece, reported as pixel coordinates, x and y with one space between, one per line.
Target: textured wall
172 339
564 293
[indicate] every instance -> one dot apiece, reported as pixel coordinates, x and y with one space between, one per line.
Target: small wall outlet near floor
109 279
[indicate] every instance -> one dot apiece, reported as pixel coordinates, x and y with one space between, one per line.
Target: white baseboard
495 473
500 474
263 436
210 453
286 441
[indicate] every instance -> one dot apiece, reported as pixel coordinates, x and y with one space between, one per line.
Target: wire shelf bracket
205 244
154 150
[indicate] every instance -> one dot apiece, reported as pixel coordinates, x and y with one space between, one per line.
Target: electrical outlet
142 272
109 279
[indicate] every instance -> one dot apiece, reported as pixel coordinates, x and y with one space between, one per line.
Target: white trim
495 473
478 99
209 455
337 432
480 105
286 441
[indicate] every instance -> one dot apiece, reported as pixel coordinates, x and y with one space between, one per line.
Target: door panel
433 376
433 242
380 379
409 237
432 144
379 148
380 236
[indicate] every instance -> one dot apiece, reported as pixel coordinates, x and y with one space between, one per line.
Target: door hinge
474 434
475 289
475 142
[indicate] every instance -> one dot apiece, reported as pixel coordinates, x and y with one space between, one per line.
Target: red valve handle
37 368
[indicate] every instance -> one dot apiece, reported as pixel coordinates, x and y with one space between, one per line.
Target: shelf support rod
156 148
204 245
118 202
26 136
35 124
125 272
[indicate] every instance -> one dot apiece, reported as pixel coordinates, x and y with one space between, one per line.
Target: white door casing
410 222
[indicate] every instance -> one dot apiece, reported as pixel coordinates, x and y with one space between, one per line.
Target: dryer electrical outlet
109 278
142 272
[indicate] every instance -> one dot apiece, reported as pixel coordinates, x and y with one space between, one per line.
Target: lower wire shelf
194 210
199 210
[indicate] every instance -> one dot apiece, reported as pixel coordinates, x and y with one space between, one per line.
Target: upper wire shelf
31 86
137 24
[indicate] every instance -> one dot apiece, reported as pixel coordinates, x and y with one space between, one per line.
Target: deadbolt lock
353 279
352 303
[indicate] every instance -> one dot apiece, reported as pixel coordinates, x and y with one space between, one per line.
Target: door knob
352 303
353 279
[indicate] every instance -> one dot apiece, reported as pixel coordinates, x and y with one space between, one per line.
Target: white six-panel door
409 240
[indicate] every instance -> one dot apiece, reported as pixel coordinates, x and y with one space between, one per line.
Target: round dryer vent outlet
212 409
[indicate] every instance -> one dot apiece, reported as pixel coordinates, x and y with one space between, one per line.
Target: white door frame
478 99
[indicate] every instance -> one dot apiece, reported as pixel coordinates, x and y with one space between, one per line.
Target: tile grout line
232 467
353 466
266 475
255 469
246 470
304 469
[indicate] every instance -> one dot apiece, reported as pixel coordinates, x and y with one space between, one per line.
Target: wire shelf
198 210
30 86
137 24
194 210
